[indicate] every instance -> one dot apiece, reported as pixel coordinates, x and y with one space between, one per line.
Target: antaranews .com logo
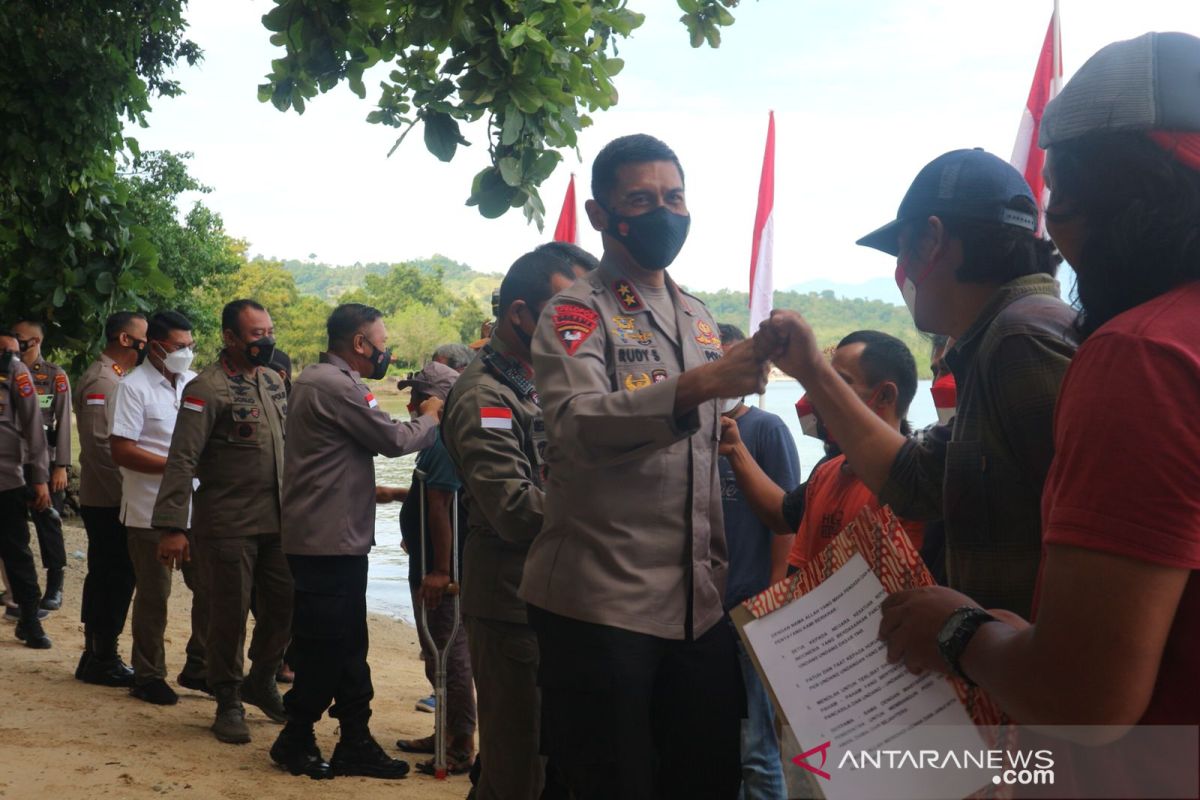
1008 768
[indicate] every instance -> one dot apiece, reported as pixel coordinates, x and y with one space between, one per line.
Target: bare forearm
869 443
128 455
781 546
441 533
763 494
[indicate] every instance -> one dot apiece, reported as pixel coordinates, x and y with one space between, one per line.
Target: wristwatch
956 633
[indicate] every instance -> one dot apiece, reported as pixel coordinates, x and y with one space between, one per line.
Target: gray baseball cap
434 380
1148 83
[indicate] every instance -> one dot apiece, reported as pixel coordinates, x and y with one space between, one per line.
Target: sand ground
60 738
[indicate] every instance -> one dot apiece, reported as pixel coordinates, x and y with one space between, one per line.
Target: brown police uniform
109 584
626 579
335 428
229 435
21 441
492 427
54 400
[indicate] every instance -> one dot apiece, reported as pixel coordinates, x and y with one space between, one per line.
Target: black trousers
14 547
108 587
50 533
634 716
329 642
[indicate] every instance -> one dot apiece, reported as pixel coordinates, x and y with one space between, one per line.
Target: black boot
360 754
29 629
296 750
105 667
52 599
85 656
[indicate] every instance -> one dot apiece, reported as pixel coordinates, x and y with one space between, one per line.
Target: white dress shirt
144 411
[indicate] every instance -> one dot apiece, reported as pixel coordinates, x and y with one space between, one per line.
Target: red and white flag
945 397
762 283
494 417
807 416
1027 157
567 229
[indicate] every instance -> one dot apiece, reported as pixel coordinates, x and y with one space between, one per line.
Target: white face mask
730 404
908 290
179 361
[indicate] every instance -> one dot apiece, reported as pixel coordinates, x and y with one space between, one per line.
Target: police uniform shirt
95 395
633 532
335 428
54 399
493 430
144 411
229 435
21 436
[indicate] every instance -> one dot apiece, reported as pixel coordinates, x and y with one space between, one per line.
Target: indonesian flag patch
94 399
194 404
490 417
574 324
371 401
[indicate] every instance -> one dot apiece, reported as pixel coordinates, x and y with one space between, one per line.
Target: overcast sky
865 93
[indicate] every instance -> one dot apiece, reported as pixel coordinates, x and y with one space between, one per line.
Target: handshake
785 340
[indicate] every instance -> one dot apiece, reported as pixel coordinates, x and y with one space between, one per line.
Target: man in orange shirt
881 370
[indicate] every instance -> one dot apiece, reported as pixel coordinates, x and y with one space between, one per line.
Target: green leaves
442 136
533 68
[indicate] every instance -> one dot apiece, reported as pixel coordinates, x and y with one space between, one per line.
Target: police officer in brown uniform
109 584
641 690
21 441
229 435
335 428
54 399
494 433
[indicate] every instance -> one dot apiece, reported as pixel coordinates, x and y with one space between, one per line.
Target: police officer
54 398
229 435
335 428
494 433
21 440
641 689
108 587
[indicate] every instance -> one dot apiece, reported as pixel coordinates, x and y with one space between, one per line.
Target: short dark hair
529 277
730 333
233 312
283 362
638 148
886 358
994 252
347 320
116 323
1140 210
162 323
37 323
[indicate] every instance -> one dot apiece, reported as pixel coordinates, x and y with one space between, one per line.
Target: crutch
441 655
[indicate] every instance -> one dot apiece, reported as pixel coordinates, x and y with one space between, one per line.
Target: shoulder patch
24 385
192 403
94 399
371 401
574 324
627 296
496 417
60 383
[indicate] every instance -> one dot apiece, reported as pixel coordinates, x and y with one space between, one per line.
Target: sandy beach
61 738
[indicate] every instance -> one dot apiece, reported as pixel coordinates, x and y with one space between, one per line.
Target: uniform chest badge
574 324
637 380
627 296
705 334
117 369
629 333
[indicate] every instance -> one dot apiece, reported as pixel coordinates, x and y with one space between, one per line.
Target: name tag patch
491 417
194 404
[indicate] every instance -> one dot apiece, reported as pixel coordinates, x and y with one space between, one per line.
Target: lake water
387 587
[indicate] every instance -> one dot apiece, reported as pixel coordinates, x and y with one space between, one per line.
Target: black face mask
6 359
24 344
139 347
380 360
526 338
261 351
654 238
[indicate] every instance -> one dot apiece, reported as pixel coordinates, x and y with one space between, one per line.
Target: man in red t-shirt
881 370
1118 600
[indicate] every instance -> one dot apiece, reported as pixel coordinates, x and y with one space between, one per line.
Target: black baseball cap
963 184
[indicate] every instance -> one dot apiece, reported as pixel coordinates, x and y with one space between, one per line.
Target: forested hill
832 317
